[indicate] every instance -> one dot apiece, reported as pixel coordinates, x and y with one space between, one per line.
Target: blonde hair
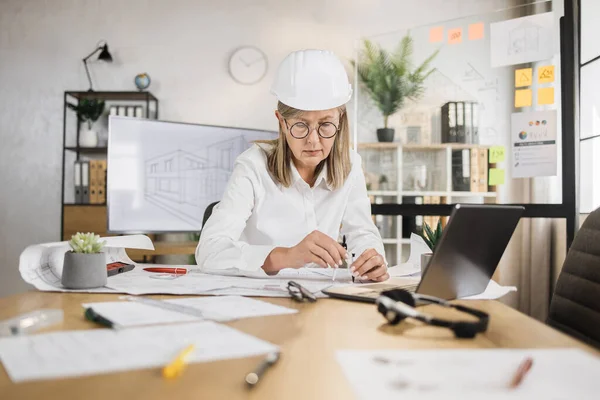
279 154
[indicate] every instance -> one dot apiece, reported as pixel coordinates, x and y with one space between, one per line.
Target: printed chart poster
534 144
523 40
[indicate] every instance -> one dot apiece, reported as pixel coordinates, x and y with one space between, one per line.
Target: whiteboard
162 175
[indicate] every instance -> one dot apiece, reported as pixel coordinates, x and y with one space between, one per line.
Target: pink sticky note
436 34
476 31
454 36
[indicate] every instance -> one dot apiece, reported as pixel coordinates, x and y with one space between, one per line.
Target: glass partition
483 126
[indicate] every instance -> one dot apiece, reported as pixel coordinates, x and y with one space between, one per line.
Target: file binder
475 174
93 182
85 182
483 170
449 122
101 180
460 122
468 122
77 182
461 170
475 123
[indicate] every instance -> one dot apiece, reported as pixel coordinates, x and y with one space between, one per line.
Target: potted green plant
84 265
389 78
432 238
88 111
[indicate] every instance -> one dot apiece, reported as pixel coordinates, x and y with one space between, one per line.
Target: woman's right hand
316 248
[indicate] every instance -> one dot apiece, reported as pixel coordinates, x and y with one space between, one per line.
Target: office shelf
83 205
112 95
420 174
77 217
87 150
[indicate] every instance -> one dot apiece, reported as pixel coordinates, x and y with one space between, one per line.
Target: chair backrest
575 306
207 212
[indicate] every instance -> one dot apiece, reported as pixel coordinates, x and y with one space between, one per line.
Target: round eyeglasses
300 130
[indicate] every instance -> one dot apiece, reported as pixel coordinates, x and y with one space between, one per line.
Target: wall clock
248 65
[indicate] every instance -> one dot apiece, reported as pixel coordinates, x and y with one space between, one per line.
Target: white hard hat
312 80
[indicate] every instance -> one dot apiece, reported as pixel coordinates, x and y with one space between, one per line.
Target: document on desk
308 273
221 308
89 352
556 374
140 282
41 265
493 291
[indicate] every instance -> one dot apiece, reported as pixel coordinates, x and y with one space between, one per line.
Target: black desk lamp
104 55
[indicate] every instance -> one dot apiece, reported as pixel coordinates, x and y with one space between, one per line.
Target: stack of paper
225 308
471 374
226 282
77 353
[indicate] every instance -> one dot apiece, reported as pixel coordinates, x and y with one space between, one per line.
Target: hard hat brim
314 105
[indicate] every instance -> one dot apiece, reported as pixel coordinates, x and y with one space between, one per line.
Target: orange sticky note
455 35
523 77
476 31
545 96
436 34
546 74
523 98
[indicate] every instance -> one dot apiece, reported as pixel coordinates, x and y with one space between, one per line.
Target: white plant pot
425 258
87 137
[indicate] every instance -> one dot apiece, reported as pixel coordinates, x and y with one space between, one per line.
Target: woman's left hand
370 266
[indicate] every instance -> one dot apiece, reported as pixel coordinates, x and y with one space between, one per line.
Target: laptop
464 261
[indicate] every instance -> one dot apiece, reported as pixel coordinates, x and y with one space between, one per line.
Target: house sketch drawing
184 182
524 39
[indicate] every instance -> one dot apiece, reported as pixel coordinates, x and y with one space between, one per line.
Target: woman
290 200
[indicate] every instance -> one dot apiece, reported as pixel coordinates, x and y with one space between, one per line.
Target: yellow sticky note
476 31
546 74
496 176
454 35
545 96
436 34
523 98
523 77
497 154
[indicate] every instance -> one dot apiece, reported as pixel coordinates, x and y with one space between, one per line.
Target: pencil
175 367
524 367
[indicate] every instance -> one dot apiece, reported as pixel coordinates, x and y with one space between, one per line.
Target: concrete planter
84 271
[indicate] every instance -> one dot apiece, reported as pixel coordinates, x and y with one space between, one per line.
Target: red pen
178 271
522 370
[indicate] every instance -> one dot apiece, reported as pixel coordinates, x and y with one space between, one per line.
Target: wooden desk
307 369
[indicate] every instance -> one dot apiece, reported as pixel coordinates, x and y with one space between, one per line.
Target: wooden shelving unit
78 217
391 227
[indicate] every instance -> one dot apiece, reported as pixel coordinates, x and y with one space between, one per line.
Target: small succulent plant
87 243
432 237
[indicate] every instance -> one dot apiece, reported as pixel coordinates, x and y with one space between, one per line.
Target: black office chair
207 213
575 306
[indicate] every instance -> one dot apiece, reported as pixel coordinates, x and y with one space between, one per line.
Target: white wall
184 46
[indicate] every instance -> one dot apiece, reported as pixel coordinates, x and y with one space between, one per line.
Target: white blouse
257 214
